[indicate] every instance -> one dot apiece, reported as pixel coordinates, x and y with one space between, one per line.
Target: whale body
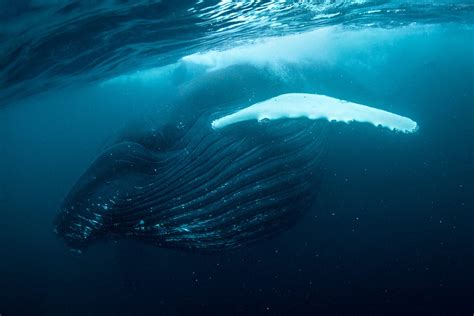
211 179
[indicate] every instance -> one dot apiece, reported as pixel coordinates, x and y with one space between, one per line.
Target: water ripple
46 45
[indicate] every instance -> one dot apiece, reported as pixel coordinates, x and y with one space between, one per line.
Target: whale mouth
209 191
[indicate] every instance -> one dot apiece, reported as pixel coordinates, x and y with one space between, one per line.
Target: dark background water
392 231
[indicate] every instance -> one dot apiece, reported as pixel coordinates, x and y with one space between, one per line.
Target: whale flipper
314 106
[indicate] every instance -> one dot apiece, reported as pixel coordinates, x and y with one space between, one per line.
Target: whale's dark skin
181 184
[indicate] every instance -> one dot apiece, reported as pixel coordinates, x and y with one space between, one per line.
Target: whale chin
206 190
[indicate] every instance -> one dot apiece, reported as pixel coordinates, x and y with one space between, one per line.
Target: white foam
272 51
314 106
325 45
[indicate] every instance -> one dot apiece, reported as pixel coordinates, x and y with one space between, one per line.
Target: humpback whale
215 177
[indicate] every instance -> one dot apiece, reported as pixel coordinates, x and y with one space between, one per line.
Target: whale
225 169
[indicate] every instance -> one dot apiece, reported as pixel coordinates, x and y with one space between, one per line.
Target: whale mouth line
313 107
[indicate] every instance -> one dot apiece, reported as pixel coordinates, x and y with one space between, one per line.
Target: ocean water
388 226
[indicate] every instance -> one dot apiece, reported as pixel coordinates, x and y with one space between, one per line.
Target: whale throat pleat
232 192
208 191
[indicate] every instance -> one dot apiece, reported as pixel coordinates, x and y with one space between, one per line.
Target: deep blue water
392 229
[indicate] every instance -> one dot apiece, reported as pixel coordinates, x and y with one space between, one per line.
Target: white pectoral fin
314 106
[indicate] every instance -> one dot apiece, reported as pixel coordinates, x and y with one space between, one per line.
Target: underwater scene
236 157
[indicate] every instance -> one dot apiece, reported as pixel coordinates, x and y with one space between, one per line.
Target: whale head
86 214
207 191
